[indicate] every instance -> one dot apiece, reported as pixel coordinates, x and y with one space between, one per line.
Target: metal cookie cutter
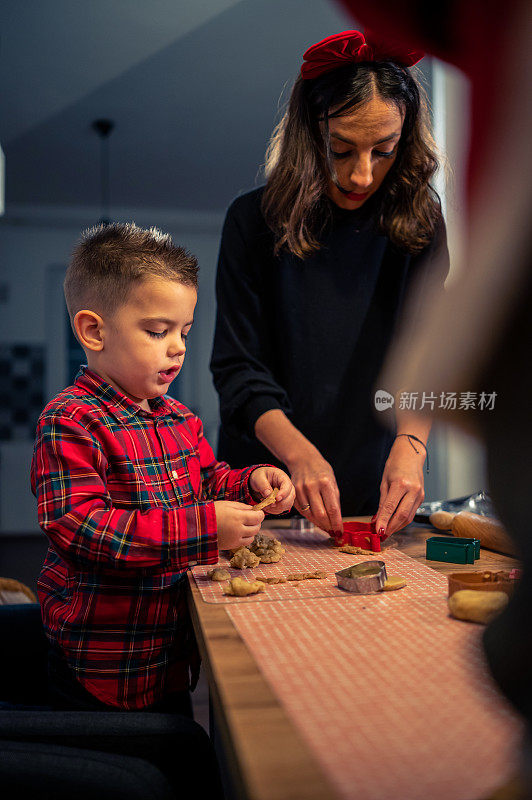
365 578
302 525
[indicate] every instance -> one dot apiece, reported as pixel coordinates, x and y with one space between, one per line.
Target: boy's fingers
252 517
261 482
268 500
288 501
285 488
250 531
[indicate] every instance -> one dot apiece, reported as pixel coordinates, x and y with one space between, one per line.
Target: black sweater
309 337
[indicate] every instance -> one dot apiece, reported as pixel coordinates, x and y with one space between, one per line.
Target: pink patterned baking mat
310 551
392 697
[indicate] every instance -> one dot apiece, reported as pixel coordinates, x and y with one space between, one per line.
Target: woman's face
364 147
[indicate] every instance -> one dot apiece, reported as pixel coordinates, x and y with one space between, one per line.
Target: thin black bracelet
411 436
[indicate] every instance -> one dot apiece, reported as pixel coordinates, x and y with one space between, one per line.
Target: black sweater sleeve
242 360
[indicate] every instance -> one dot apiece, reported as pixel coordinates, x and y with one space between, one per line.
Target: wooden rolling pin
487 530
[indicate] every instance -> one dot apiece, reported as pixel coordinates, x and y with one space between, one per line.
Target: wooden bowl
485 581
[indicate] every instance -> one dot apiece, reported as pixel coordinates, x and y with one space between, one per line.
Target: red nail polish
381 532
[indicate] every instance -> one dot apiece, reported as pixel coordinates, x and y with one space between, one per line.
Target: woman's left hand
263 480
402 487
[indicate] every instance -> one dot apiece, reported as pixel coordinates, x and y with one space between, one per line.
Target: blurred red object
474 35
361 534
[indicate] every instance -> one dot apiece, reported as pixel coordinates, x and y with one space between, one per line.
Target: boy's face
144 342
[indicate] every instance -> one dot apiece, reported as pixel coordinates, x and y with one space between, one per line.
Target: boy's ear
88 326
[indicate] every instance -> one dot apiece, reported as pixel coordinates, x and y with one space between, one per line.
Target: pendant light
104 128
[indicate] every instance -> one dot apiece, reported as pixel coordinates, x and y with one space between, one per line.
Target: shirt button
174 474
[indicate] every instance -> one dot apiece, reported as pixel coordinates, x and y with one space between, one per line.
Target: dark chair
55 755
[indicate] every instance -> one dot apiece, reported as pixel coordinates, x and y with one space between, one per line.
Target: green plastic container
454 549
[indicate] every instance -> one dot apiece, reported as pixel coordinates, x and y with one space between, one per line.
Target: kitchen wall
460 458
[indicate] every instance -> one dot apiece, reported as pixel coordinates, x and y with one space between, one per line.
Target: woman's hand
263 480
401 487
317 494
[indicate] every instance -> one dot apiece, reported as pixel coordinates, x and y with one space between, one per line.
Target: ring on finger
305 508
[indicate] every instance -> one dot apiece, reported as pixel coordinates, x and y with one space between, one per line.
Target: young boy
129 492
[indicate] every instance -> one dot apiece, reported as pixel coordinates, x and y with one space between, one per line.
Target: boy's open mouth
169 374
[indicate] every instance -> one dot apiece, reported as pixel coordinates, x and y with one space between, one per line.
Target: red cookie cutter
361 534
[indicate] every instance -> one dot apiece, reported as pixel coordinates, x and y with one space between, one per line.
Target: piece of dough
267 500
262 544
393 582
272 581
240 587
477 606
243 558
306 576
267 548
219 574
357 551
270 558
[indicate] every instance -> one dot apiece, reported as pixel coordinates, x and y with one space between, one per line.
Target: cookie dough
267 500
243 558
240 587
219 574
357 551
393 582
477 606
267 549
270 557
306 576
272 581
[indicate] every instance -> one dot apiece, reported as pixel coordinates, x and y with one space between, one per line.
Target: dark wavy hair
297 167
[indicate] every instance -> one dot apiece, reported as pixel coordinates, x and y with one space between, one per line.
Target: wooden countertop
267 757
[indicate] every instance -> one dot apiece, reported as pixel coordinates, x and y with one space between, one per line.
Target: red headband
349 47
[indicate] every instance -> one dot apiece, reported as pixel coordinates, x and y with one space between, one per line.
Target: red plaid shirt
125 497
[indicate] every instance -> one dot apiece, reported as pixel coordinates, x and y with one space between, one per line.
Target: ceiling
193 87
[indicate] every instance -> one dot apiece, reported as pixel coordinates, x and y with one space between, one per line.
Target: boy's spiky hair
110 259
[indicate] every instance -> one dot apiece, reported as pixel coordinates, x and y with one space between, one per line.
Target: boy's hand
237 524
263 480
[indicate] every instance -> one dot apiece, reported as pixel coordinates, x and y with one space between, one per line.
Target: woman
312 277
